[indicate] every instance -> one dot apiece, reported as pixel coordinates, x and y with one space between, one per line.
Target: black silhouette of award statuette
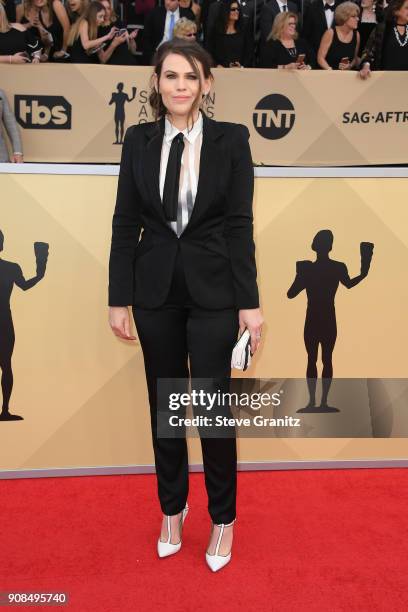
119 99
10 275
320 279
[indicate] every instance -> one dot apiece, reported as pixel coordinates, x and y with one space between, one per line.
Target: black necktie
329 7
285 8
171 182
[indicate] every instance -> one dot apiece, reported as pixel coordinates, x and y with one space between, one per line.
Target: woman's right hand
365 72
291 66
111 34
19 58
120 322
118 40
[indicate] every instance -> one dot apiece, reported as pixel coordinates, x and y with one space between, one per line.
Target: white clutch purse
241 353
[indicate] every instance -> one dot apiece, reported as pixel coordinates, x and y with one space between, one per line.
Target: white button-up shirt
329 14
166 33
189 171
281 5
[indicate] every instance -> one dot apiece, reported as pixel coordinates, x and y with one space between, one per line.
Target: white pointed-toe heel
216 562
165 549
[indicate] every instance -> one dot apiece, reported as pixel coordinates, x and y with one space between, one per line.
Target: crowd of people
362 35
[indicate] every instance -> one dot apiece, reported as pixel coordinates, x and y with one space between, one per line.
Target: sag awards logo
136 100
43 112
274 116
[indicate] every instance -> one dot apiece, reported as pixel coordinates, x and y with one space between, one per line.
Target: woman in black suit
191 278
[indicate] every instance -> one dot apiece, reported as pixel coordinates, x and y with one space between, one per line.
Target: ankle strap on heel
182 517
168 529
222 525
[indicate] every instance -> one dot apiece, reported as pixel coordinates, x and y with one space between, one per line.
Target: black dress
80 56
339 49
365 28
55 29
275 54
395 56
227 48
121 56
16 41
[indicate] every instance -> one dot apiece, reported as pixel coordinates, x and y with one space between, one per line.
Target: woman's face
402 14
190 35
178 84
352 22
100 17
289 30
234 11
108 9
74 5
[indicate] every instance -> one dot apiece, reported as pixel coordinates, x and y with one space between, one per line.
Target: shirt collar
170 130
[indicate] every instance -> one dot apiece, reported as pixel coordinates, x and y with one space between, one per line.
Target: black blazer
217 246
154 29
315 24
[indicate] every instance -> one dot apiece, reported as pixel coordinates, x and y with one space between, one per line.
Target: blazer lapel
211 164
151 164
322 16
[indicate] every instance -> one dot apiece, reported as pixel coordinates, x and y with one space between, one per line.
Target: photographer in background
7 120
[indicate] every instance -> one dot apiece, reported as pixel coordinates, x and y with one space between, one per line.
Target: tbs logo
43 112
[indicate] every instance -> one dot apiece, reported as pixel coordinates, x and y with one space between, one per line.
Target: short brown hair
344 11
193 53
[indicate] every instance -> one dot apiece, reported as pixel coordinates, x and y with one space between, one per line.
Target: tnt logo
43 112
274 116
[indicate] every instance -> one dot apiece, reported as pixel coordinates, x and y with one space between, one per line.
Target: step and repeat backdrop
76 113
80 392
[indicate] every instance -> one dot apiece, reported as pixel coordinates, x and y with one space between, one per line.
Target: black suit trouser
169 336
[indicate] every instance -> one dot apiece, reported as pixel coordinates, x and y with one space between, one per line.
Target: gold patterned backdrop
295 117
82 391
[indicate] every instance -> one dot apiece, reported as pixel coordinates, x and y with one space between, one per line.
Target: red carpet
304 541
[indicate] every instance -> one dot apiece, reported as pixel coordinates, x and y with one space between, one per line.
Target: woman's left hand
251 319
16 158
